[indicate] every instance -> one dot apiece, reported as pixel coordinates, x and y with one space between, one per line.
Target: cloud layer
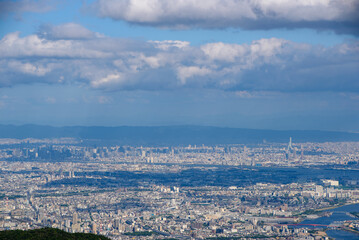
113 64
338 15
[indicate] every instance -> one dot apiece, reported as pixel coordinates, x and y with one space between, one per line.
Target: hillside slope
47 234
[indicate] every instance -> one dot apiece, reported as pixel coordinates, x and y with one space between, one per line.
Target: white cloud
248 56
12 45
223 52
168 44
116 64
111 79
268 47
247 14
67 31
187 72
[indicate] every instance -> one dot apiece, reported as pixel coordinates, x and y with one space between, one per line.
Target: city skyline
274 190
286 65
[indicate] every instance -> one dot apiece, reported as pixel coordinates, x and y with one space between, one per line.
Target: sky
274 64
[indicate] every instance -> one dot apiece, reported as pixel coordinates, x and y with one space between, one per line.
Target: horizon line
178 125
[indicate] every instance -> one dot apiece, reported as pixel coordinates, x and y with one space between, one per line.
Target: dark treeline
47 234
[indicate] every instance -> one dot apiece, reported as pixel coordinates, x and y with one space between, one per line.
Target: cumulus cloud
13 45
111 79
338 15
114 64
223 52
185 72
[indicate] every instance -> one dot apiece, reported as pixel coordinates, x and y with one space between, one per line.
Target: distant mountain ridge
174 135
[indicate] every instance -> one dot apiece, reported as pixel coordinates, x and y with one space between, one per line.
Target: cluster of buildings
160 211
274 154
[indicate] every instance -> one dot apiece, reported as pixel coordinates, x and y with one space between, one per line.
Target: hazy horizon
169 125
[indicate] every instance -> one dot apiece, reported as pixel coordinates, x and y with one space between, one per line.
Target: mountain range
173 135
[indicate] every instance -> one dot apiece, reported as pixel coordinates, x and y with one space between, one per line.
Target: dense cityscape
186 192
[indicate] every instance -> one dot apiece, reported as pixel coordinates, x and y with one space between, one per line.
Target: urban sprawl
178 192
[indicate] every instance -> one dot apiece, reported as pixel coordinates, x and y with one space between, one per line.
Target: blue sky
276 64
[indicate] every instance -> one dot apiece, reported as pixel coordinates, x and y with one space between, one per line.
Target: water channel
339 214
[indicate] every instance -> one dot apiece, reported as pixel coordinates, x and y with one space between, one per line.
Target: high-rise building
75 218
75 223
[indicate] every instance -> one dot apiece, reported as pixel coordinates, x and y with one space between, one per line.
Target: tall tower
290 150
301 153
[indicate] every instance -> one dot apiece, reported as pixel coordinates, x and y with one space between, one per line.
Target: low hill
47 234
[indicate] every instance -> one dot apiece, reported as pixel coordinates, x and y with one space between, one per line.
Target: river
339 214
